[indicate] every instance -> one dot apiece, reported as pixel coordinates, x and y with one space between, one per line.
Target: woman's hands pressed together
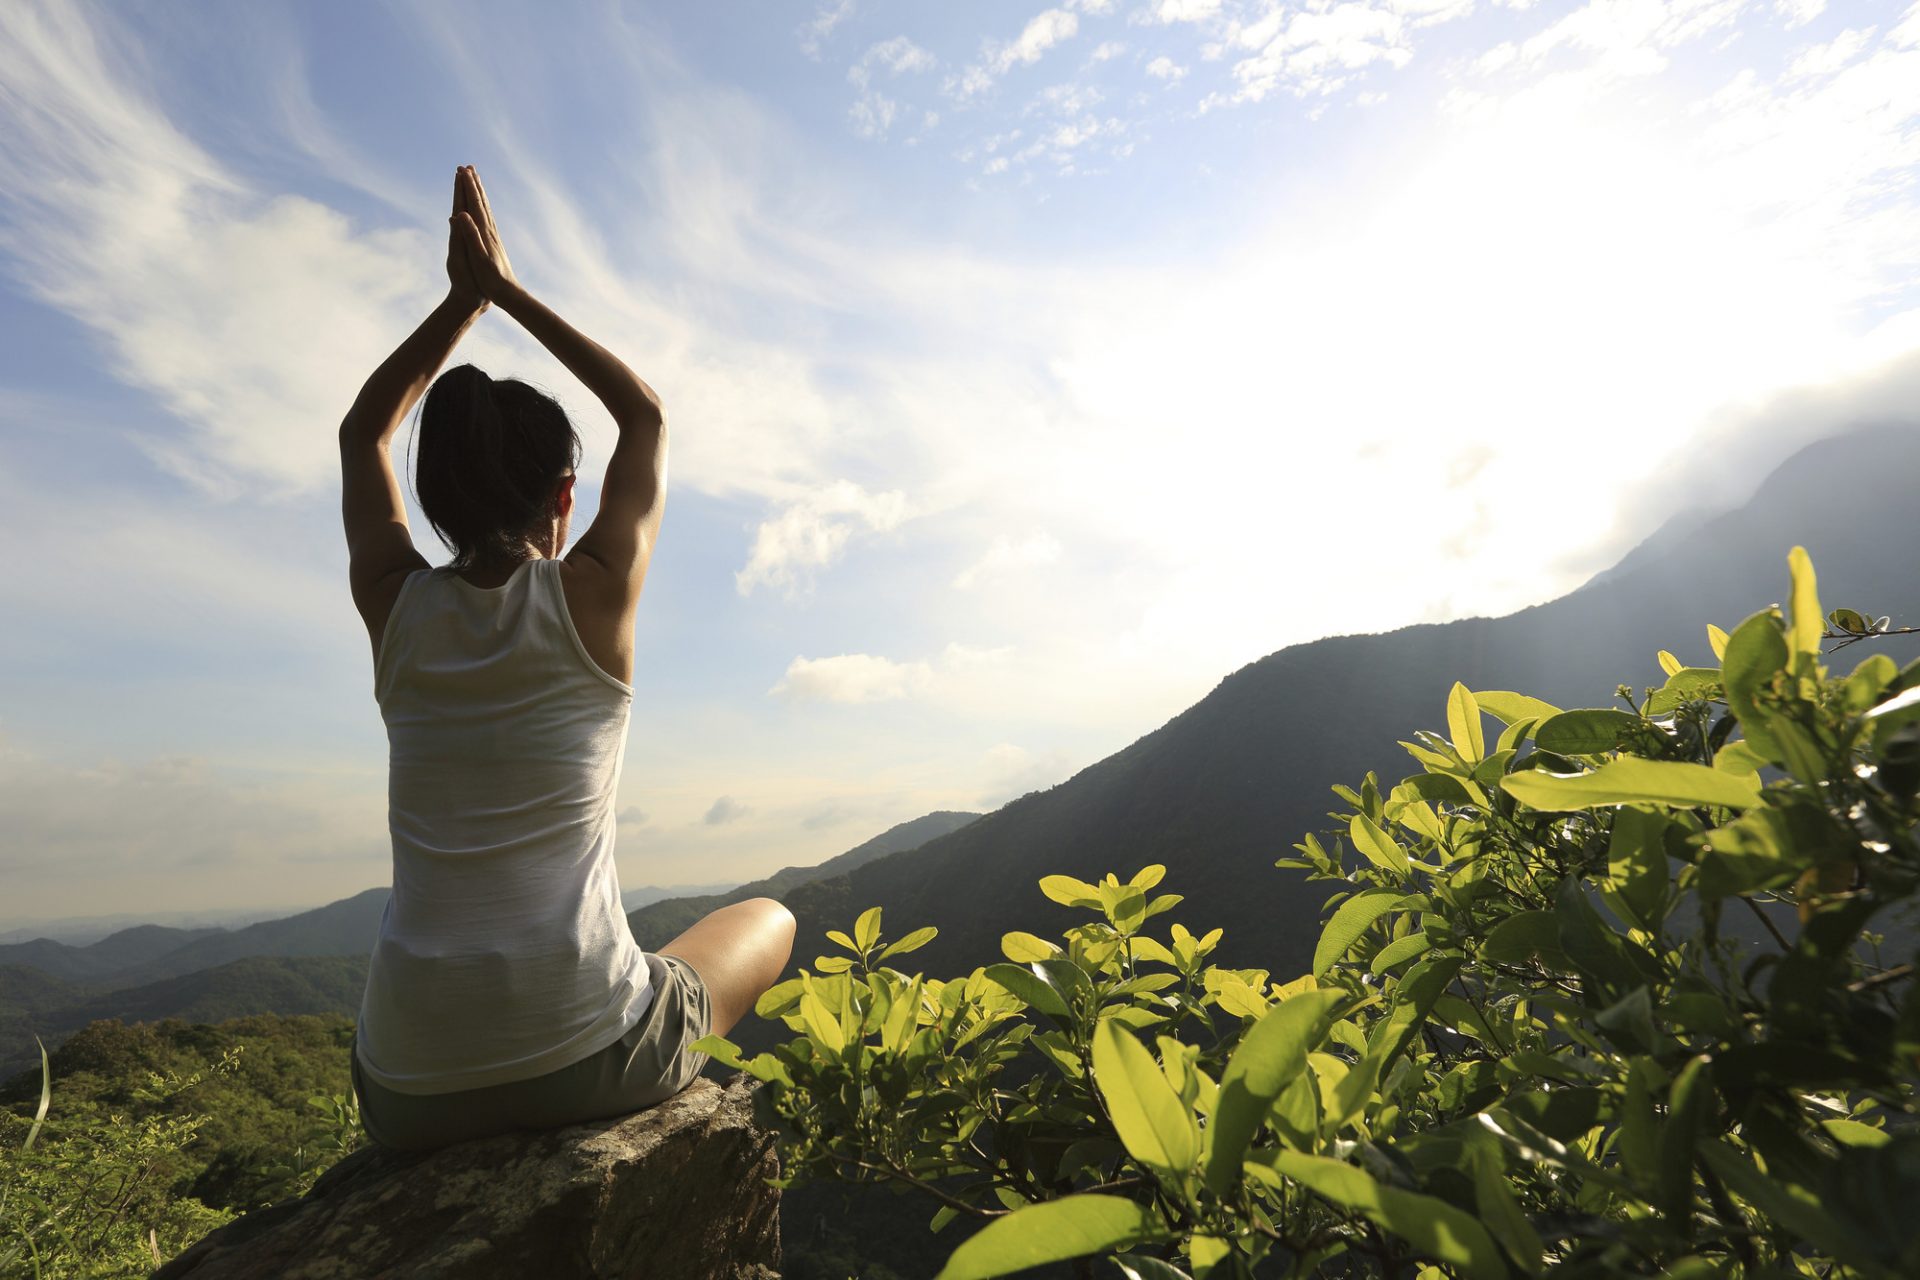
463 285
482 263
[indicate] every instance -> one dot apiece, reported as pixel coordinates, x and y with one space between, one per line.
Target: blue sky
1030 368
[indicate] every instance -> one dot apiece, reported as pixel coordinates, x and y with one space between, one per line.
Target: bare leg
740 950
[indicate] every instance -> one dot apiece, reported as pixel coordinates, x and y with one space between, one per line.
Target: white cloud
724 810
873 113
631 816
1309 52
816 30
1106 51
1165 68
813 532
1800 12
1629 37
1007 556
1042 32
865 677
895 56
852 677
1170 11
1835 54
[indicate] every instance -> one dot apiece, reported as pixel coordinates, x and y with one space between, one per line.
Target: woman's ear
563 496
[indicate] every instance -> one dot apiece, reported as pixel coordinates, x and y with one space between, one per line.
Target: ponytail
489 455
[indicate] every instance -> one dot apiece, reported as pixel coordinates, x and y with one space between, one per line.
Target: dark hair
489 455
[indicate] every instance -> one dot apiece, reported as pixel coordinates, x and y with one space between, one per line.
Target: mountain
1221 790
655 924
344 928
32 1004
129 947
648 894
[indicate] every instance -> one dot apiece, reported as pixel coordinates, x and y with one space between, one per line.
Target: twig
1777 935
1882 978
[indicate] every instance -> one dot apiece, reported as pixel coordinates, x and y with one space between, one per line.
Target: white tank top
504 953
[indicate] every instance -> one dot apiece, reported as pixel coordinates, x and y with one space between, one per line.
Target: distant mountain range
309 962
1217 793
648 894
653 926
31 1003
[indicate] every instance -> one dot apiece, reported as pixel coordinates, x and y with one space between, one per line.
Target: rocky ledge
676 1192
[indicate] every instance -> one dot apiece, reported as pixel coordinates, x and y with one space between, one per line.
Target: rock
675 1192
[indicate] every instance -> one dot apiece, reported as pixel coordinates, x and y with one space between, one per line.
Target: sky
1029 369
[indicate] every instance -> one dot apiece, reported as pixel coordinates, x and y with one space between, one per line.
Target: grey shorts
647 1065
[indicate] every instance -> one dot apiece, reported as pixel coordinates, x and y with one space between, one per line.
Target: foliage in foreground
1532 1043
141 1150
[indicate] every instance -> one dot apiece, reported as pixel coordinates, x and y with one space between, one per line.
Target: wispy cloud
813 532
816 30
1042 32
873 112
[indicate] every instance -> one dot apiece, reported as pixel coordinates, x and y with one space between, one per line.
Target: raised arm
380 550
620 540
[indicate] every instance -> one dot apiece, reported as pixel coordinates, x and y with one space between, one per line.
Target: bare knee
778 922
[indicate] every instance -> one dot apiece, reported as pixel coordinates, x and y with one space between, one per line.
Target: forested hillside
31 1004
1225 787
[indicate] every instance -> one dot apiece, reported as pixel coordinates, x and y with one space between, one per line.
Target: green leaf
1852 1133
866 930
1350 920
1400 950
821 1024
1463 723
912 942
1270 1056
1585 732
1756 652
1413 1000
842 940
1029 987
1379 848
1069 892
779 998
1148 876
1524 934
1025 948
1739 757
1631 780
832 964
1809 623
1502 1214
1511 708
1689 1101
1689 684
1434 1227
1052 1231
1155 1126
722 1050
1788 1206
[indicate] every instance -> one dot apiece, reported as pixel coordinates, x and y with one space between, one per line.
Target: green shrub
1600 994
94 1199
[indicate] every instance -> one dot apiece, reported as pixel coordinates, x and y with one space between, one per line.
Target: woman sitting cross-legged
506 991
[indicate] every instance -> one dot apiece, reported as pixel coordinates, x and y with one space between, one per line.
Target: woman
505 989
